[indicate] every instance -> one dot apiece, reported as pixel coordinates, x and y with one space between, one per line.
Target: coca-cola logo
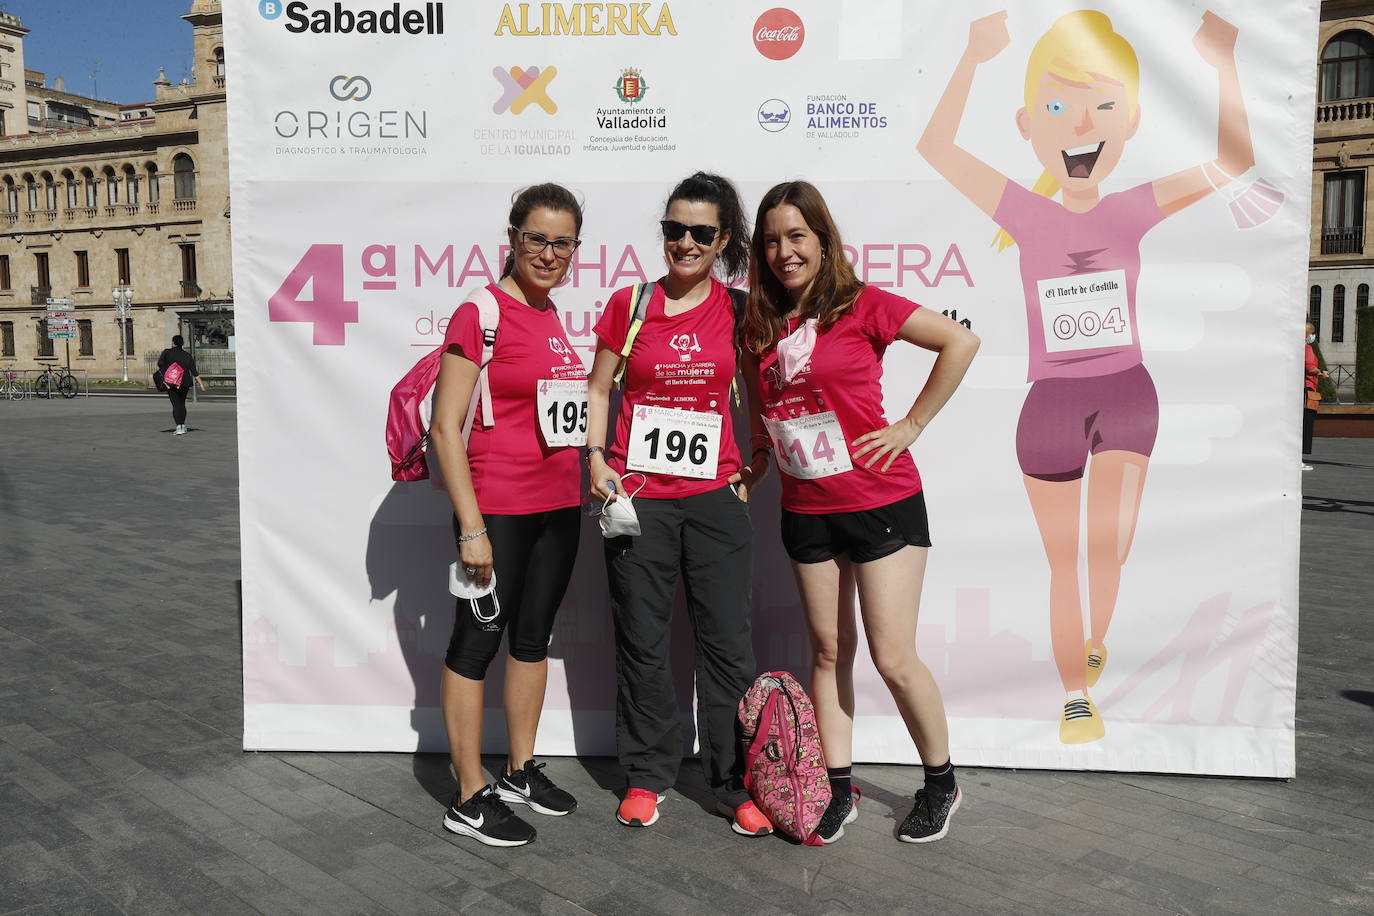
779 33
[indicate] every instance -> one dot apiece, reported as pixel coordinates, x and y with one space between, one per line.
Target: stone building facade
140 200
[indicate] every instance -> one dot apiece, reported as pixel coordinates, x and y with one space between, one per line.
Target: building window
35 113
128 336
184 177
189 289
83 336
44 344
130 186
33 194
1338 313
70 181
219 62
152 184
40 265
111 188
83 270
1343 213
6 338
1348 67
1361 296
122 272
92 195
11 196
5 272
1314 308
49 193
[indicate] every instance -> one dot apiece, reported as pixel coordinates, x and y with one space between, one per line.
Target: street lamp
124 301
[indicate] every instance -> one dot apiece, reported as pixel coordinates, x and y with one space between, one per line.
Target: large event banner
375 148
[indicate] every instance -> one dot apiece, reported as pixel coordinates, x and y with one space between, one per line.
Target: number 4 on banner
323 267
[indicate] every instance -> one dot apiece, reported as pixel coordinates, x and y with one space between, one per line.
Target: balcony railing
189 289
10 218
184 204
1346 110
1343 241
40 294
152 207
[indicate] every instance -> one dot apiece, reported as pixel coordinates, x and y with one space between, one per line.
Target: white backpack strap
488 317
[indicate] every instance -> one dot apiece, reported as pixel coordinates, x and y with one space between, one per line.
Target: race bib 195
562 406
1085 312
811 446
683 443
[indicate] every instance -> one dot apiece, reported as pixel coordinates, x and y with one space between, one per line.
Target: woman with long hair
854 514
674 449
515 488
1091 399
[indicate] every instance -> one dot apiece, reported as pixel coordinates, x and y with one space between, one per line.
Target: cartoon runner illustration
1091 399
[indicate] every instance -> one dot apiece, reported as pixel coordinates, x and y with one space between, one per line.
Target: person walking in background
178 381
1311 379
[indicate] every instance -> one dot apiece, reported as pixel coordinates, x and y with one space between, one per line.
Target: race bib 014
811 446
1085 312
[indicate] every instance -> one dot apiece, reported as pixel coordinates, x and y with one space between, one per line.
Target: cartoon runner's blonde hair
1080 46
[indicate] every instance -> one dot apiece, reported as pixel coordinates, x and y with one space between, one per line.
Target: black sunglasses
673 231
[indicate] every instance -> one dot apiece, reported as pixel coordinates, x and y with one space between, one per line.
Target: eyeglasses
673 231
534 243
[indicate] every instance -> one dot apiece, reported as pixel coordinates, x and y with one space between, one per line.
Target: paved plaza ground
123 788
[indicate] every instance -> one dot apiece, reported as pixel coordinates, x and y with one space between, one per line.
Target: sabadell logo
336 19
779 33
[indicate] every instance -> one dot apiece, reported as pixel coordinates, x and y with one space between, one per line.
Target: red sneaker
750 821
639 808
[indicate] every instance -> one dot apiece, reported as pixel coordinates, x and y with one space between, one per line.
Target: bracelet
464 538
594 450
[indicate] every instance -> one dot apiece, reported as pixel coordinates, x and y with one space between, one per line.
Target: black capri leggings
533 557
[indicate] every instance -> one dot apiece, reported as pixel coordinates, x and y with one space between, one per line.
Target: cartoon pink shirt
1079 272
513 471
683 362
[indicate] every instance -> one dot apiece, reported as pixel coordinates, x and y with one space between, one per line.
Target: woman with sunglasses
674 444
515 488
853 510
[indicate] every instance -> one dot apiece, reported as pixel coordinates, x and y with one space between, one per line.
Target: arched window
69 180
11 196
1362 296
49 192
1338 313
152 183
1314 308
1348 66
32 187
111 186
184 177
219 62
130 186
88 179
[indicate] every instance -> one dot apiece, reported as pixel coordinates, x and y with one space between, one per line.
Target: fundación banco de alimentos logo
350 88
774 115
522 87
779 33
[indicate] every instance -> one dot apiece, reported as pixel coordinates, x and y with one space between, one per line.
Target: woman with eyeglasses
674 450
515 487
854 513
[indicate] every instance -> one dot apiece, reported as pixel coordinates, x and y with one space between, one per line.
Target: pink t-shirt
1079 271
683 362
513 471
845 375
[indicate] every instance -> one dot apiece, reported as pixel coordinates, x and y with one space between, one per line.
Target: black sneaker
839 812
487 819
529 786
929 819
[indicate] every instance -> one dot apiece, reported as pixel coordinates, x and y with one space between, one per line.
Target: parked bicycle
55 378
12 386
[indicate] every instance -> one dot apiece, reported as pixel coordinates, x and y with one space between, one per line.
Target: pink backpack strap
488 317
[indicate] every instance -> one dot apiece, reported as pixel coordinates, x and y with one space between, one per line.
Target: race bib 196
811 446
1085 312
562 406
684 443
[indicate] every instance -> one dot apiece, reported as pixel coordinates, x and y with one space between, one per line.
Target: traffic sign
61 302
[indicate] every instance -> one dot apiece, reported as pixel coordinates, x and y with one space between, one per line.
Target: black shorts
866 536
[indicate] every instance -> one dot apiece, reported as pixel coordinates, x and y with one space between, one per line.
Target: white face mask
1311 338
618 517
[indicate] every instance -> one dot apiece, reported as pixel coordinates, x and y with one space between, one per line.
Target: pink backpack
784 769
407 415
173 375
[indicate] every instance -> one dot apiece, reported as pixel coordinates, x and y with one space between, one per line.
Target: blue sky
130 39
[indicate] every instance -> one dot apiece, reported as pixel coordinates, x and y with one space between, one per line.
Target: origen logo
350 88
779 33
522 87
774 115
